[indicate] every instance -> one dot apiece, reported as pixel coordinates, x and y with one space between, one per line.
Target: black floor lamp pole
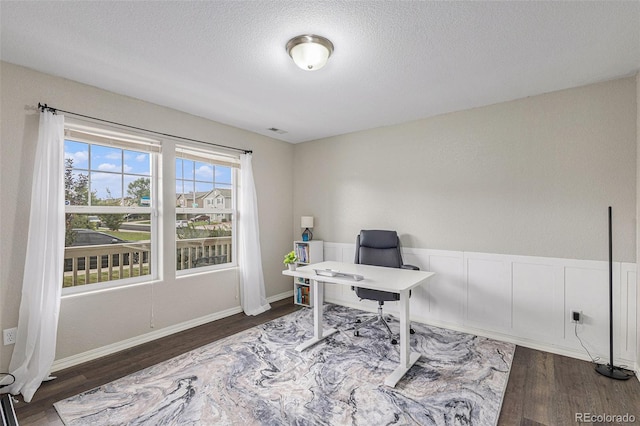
610 370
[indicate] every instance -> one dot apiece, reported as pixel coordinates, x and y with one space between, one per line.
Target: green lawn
200 223
130 235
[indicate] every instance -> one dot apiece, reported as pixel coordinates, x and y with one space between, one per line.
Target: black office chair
379 248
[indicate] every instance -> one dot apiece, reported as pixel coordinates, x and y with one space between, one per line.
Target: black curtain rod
43 107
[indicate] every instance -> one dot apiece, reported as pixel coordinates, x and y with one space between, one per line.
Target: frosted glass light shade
310 56
306 222
309 52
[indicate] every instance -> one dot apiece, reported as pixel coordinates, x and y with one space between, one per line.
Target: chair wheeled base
379 319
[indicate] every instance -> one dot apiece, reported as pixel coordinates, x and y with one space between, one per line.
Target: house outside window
205 210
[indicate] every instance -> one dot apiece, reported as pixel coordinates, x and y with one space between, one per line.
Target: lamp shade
310 52
306 222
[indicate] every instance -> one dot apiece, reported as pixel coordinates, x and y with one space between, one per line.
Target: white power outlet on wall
9 336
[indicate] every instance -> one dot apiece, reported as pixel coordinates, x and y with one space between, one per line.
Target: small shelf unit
302 294
308 252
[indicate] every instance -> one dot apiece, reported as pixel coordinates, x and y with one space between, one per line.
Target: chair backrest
378 248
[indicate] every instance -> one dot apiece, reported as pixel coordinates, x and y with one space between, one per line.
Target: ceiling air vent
278 131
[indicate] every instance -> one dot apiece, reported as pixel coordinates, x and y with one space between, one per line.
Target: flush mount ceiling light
309 52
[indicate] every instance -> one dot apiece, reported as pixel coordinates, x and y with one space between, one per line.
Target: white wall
507 203
638 207
92 321
529 177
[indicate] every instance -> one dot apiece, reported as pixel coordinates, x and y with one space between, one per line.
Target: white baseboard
280 296
528 343
61 364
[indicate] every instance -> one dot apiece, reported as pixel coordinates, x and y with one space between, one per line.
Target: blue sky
113 169
200 177
109 168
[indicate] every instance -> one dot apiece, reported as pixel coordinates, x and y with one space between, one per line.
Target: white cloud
114 156
108 167
78 157
204 172
141 157
100 182
127 169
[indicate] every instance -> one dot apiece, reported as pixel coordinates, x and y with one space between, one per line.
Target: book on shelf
302 252
303 295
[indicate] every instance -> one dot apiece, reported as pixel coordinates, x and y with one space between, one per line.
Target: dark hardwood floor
543 388
548 389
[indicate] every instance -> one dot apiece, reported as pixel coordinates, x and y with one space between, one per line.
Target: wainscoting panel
445 291
587 290
522 299
628 311
538 300
489 292
332 252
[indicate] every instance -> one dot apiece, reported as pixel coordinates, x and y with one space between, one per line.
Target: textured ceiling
393 61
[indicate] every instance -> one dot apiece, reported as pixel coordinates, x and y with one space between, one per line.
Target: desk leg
318 302
407 358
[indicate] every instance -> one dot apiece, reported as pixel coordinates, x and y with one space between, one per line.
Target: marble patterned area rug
256 377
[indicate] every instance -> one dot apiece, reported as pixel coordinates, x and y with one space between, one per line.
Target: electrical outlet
9 336
576 316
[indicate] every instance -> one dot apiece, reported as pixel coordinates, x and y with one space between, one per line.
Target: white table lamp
306 222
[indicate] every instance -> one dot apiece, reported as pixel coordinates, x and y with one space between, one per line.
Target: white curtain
253 296
35 346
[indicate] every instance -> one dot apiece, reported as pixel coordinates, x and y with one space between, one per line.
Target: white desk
377 278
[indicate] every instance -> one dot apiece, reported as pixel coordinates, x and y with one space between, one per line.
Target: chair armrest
412 267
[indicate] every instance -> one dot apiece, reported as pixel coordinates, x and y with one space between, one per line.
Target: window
205 209
109 227
111 204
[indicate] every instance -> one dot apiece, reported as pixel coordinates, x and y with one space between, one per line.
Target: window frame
163 154
212 156
76 131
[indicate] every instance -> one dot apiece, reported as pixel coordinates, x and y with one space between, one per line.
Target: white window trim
212 156
161 151
121 142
